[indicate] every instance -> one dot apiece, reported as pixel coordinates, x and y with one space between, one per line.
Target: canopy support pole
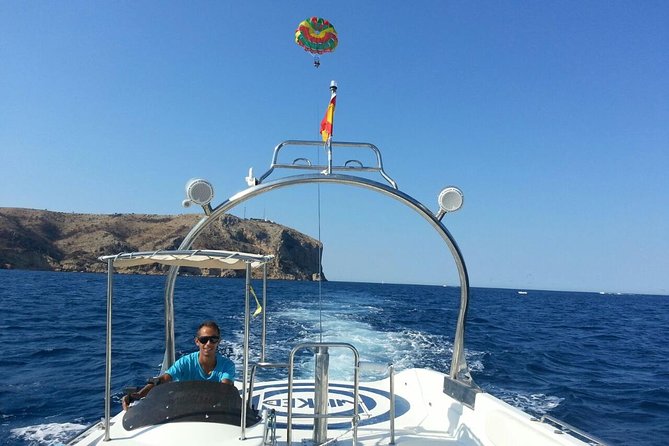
247 329
264 311
108 359
170 350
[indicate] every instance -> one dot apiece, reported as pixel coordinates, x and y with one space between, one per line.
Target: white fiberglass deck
424 416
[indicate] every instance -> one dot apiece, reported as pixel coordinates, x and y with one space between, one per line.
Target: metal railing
385 368
356 382
565 428
262 365
459 370
350 166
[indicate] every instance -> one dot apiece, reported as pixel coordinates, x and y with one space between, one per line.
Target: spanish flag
327 124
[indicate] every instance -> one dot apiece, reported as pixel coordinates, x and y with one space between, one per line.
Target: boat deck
424 415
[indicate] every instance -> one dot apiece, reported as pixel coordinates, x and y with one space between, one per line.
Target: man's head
209 324
207 338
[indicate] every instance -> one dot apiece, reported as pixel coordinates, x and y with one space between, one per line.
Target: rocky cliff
45 240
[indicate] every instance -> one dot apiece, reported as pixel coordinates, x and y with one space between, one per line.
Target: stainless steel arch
459 370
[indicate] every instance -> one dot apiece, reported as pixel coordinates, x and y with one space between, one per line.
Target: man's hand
127 399
153 382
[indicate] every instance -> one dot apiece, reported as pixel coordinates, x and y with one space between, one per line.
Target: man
206 364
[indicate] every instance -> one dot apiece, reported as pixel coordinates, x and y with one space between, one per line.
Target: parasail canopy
316 35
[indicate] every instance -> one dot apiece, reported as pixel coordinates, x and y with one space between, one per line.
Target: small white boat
522 292
411 407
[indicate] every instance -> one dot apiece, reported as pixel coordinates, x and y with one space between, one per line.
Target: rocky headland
58 241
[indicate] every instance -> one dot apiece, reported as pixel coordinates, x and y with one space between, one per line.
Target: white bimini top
194 258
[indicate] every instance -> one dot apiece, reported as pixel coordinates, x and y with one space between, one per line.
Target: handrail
262 365
566 428
389 368
391 378
356 377
328 168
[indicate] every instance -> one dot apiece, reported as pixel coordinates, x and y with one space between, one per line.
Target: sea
597 361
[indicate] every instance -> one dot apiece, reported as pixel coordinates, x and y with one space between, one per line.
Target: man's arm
162 379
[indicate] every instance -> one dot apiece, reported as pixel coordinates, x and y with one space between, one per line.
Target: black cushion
203 401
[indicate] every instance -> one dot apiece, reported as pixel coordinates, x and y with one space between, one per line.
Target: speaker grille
199 192
450 199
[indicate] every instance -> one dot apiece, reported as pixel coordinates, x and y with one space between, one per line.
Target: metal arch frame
459 370
329 168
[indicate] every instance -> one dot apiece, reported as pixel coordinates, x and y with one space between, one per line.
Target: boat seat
203 401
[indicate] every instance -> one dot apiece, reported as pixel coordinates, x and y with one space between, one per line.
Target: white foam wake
49 434
405 348
534 403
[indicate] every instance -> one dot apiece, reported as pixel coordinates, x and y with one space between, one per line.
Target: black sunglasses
204 339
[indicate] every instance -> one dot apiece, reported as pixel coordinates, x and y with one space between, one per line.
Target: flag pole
333 93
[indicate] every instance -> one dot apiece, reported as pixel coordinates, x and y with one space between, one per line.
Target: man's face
207 340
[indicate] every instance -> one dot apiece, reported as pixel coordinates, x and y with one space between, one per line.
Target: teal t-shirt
187 368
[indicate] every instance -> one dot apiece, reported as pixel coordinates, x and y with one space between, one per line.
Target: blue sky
550 116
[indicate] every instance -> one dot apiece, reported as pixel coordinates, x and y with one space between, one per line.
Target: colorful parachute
317 36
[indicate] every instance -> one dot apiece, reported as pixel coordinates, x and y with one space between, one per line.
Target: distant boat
522 292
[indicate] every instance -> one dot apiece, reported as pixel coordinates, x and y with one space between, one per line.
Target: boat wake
49 434
404 348
532 403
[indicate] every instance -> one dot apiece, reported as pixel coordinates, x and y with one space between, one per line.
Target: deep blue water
599 362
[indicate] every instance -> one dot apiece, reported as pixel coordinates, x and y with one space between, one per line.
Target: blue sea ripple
595 361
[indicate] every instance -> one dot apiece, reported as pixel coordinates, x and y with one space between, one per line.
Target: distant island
58 241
